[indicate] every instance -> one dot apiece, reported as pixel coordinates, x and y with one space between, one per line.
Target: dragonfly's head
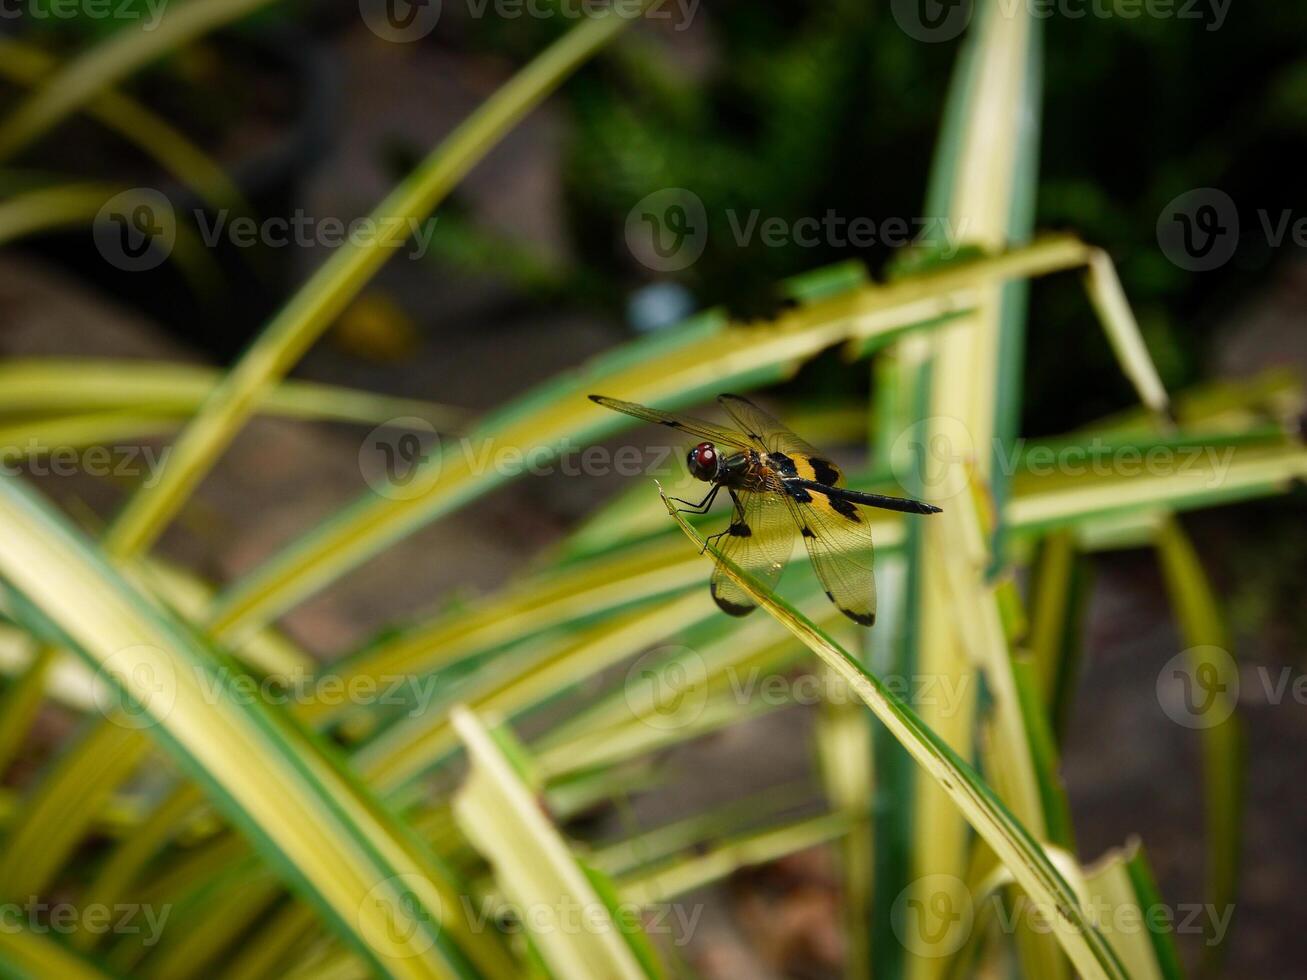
704 462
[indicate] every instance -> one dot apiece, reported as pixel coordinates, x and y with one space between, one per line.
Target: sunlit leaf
1018 851
305 817
538 873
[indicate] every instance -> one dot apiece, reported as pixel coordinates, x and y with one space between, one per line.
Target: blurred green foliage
799 108
796 109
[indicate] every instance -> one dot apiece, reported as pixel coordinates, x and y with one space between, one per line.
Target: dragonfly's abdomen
812 468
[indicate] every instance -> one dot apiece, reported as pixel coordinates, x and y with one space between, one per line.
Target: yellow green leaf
577 930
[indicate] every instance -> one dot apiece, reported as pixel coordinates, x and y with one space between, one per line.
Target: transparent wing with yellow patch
769 435
696 427
838 537
760 541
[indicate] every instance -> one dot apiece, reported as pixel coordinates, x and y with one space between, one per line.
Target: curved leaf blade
331 839
1015 847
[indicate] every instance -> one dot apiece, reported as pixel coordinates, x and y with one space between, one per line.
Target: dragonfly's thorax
748 471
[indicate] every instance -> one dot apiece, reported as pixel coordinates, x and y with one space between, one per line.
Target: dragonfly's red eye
702 461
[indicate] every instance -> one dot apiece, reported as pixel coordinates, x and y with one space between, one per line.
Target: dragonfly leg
703 505
711 538
737 512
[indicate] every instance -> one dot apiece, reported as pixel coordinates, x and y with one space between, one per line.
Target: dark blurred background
792 108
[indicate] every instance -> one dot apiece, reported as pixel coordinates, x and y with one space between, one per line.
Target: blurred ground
1130 767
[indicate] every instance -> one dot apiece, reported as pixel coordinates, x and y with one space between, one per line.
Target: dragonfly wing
768 434
696 427
838 537
760 540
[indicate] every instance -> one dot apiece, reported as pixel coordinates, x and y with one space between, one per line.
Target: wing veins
762 552
772 436
685 423
835 546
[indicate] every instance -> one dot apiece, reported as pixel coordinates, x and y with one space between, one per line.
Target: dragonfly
780 487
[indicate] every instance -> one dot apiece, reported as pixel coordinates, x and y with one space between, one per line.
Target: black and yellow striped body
779 484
